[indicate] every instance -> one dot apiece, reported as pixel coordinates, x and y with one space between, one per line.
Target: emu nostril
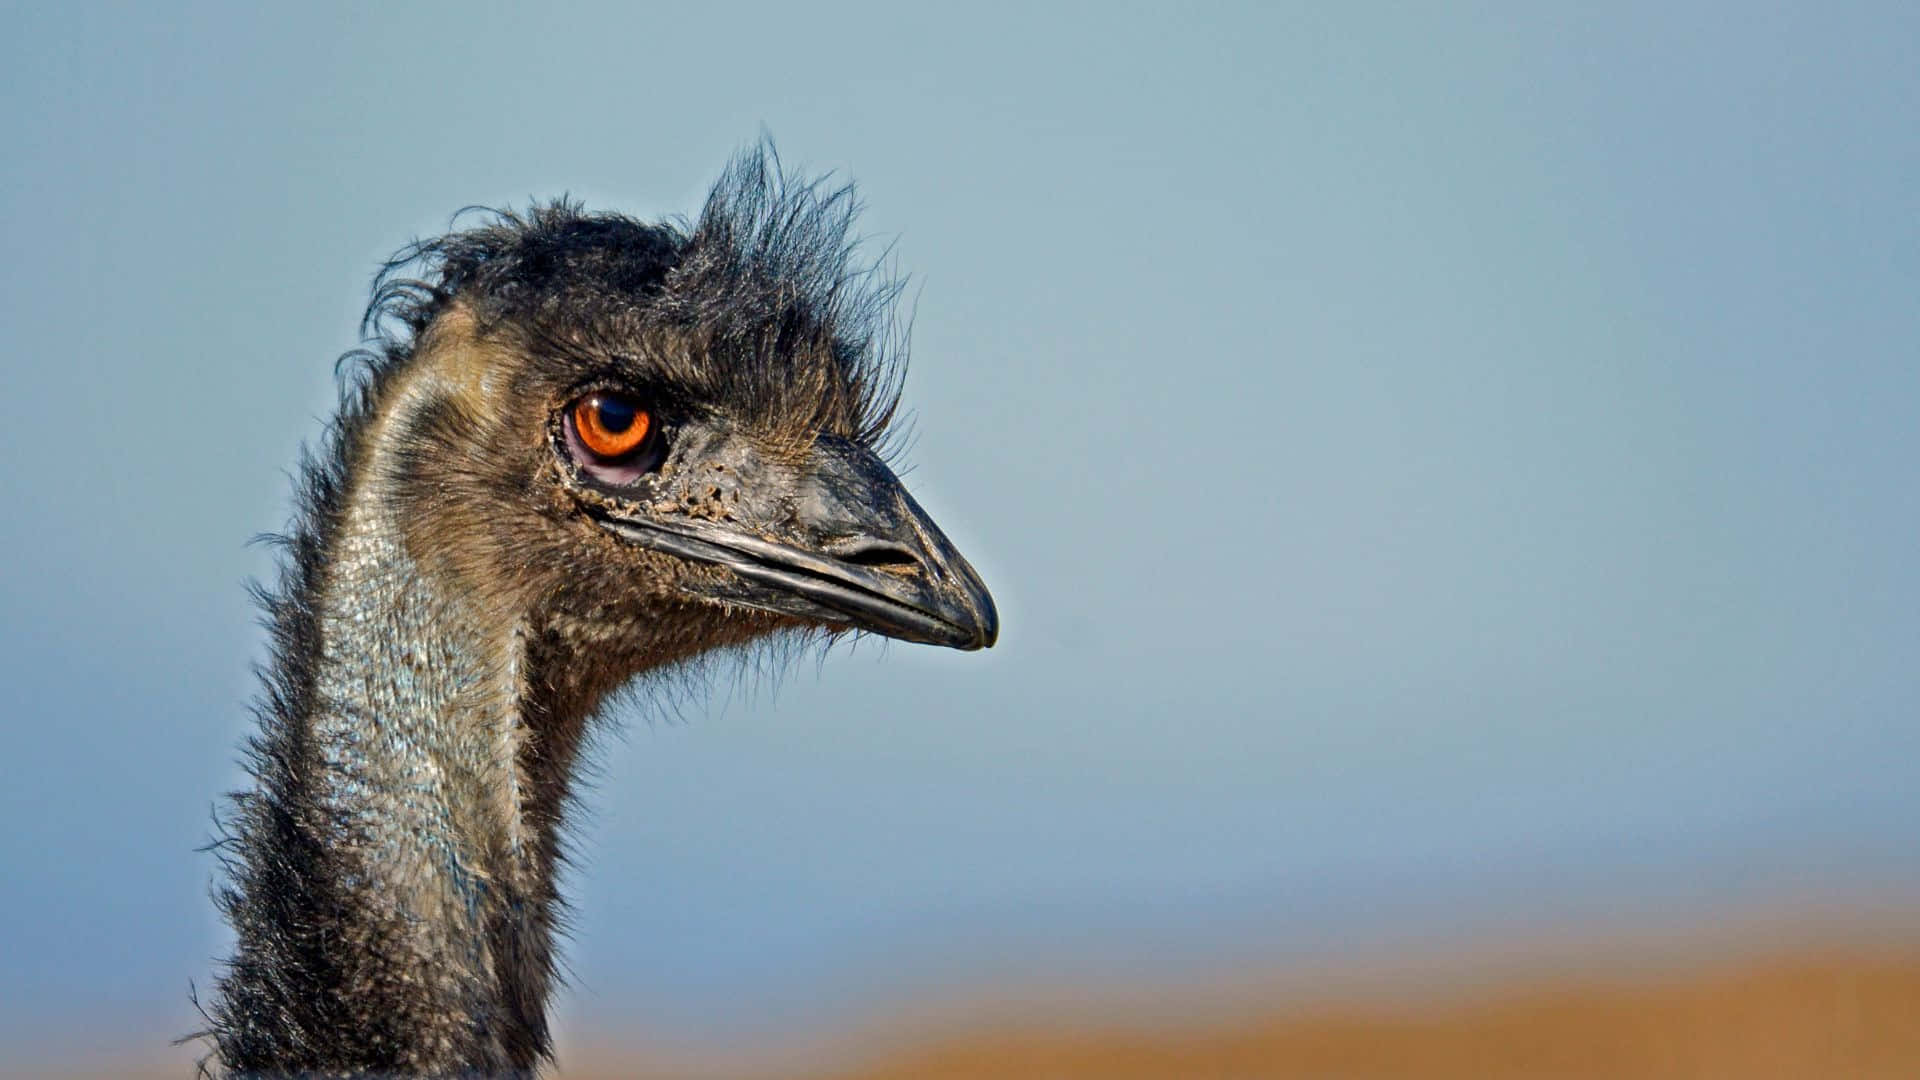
876 554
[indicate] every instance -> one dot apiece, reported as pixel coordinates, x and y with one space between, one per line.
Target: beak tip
986 623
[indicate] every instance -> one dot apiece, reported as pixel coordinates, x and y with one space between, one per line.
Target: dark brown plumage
583 449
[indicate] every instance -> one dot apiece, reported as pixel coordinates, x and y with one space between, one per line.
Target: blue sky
1440 471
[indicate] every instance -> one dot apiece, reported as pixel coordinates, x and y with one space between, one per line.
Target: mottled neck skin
432 774
420 730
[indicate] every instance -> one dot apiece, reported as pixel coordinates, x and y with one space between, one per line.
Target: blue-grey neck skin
394 896
417 729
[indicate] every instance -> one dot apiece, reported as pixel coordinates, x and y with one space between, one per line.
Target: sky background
1442 474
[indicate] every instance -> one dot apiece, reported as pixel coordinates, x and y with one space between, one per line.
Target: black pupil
615 415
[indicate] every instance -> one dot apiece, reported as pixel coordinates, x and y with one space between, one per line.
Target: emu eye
612 437
610 425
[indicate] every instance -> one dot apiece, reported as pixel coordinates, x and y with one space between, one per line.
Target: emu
582 449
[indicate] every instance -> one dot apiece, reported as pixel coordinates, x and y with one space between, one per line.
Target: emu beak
839 542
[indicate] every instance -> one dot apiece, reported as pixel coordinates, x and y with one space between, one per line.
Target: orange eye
610 425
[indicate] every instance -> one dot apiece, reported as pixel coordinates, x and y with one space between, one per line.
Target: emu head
646 441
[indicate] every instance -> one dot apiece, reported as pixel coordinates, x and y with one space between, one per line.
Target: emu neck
419 728
425 790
